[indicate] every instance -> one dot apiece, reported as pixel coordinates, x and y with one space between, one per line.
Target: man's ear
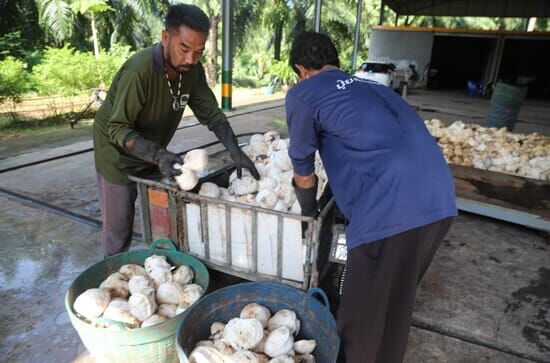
303 73
164 38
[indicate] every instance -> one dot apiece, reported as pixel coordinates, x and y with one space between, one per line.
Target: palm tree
56 18
91 7
130 21
212 10
276 16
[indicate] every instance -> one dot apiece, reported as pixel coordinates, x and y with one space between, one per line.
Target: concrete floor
486 297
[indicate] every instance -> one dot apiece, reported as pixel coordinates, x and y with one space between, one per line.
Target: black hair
188 15
313 51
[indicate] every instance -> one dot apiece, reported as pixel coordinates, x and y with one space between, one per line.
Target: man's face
183 48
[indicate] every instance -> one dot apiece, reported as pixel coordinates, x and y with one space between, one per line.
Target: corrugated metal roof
491 8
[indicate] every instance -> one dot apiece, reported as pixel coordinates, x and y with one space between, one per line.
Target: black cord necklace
177 100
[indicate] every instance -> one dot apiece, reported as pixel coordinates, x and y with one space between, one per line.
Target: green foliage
56 18
14 80
11 44
90 6
109 63
66 71
19 27
283 72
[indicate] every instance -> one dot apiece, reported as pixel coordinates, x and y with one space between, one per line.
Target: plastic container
151 344
222 305
506 102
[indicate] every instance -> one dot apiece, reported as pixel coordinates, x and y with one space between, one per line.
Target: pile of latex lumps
140 296
525 155
274 190
255 336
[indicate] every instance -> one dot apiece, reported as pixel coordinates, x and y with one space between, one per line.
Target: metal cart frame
163 215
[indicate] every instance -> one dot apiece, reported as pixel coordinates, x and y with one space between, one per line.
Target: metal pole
357 33
381 16
227 40
317 20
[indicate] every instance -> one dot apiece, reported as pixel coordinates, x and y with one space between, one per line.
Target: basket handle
166 242
118 324
319 295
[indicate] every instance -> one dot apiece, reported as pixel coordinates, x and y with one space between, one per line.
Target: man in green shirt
140 115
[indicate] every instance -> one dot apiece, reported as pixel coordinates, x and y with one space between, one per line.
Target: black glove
155 154
225 134
307 199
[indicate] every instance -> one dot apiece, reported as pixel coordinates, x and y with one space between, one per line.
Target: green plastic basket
153 344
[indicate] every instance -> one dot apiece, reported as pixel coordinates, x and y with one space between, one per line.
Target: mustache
180 67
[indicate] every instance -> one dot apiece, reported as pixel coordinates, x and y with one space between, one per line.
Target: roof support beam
382 9
227 54
317 19
357 34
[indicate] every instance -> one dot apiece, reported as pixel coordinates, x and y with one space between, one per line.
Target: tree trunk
94 37
277 41
212 52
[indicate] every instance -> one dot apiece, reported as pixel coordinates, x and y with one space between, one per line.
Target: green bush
14 79
283 72
109 63
66 71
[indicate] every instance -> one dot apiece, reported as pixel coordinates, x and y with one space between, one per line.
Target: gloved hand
225 134
155 154
307 198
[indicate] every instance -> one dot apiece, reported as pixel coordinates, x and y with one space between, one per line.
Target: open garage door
525 61
457 59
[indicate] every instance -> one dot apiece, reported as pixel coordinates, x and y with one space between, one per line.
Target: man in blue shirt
389 179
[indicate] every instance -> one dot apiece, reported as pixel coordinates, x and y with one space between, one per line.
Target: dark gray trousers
375 312
117 211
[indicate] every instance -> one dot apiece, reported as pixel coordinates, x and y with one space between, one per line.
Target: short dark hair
313 51
189 15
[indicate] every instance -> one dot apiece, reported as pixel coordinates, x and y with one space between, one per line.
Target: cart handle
166 242
118 324
319 295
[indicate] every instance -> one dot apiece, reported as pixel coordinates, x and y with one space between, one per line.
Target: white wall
398 45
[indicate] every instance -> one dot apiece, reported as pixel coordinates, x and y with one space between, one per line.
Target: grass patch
12 127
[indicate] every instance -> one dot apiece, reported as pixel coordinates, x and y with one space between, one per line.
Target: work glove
155 154
307 198
308 202
225 134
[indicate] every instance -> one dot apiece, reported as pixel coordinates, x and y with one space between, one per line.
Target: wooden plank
503 190
158 198
160 222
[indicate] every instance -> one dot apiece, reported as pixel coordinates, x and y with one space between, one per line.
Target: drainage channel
75 217
472 340
83 151
53 158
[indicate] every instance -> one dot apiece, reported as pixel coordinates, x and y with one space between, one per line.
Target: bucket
222 305
505 105
156 343
474 88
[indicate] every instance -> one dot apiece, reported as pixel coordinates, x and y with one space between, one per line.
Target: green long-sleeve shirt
139 103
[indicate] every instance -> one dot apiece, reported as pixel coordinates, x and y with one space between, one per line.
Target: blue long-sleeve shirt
386 172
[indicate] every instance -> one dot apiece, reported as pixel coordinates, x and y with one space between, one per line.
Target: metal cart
242 240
